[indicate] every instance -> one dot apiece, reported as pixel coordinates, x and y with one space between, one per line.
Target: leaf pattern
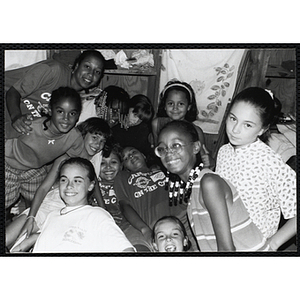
223 74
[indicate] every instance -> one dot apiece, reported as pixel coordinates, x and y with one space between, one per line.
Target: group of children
122 180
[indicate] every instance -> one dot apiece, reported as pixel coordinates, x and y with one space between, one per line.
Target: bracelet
30 217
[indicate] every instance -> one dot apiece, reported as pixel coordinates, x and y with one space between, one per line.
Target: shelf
276 71
132 72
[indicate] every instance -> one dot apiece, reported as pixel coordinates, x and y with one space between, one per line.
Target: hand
27 228
22 124
272 245
148 235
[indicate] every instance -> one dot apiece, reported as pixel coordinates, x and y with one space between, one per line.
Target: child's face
110 167
94 143
243 124
133 159
74 185
168 237
133 119
88 73
182 160
176 105
64 116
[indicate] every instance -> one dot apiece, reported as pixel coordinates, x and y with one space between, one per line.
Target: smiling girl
169 235
178 102
79 227
95 132
219 220
51 137
29 89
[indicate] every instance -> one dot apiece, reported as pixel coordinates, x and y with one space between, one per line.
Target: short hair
95 125
113 147
65 92
178 222
59 94
142 106
87 53
187 128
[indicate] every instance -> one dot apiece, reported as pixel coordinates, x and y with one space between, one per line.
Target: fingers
23 124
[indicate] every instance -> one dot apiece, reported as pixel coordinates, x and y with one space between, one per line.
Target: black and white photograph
150 149
89 221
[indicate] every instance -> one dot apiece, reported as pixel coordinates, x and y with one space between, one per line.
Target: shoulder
211 180
97 213
225 148
56 65
198 128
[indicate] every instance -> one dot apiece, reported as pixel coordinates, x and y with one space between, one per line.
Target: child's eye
232 119
248 125
98 72
73 113
62 180
169 103
176 146
160 237
78 181
59 111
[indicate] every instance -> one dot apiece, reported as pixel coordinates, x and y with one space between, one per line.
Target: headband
270 93
175 85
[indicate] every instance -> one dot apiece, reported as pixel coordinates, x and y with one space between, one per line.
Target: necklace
68 211
179 191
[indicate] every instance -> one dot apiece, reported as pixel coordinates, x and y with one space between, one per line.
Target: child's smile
110 166
94 143
176 105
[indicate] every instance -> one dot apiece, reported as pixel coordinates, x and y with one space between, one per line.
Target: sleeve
39 75
120 185
77 148
284 184
110 236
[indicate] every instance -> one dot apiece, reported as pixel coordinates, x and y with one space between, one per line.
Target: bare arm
214 190
41 194
286 232
206 157
98 195
20 123
129 250
154 125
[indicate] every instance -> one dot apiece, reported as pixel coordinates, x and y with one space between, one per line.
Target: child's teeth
170 248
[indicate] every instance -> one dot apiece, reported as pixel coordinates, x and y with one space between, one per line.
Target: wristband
28 217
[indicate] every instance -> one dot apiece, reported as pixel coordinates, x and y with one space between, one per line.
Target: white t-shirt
81 229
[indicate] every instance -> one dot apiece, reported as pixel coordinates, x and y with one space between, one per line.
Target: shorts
20 182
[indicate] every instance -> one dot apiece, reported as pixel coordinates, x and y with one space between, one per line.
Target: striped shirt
246 236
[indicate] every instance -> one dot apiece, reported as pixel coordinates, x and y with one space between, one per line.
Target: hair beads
181 191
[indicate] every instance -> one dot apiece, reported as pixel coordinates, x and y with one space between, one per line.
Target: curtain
212 73
15 59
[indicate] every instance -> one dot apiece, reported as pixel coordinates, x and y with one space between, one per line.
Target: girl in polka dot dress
265 183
